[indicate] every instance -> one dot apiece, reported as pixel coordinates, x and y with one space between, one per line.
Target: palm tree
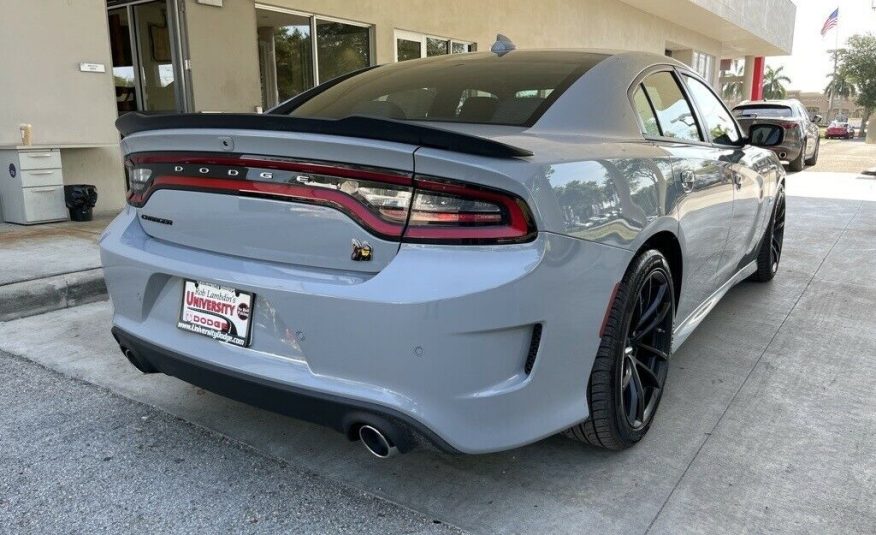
774 83
840 86
733 90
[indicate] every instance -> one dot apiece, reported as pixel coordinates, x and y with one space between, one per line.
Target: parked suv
801 143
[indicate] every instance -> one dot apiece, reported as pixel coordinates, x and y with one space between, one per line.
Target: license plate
220 312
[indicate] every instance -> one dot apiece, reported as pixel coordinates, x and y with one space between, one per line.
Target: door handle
42 172
688 179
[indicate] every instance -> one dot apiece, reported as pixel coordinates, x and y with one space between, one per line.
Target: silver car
475 251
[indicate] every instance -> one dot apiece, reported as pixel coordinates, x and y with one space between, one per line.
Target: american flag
830 22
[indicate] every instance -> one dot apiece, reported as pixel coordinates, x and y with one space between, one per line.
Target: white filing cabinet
32 185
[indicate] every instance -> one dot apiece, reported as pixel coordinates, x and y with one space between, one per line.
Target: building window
406 49
341 48
704 65
412 45
291 61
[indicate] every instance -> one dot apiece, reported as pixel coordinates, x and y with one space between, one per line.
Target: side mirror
766 135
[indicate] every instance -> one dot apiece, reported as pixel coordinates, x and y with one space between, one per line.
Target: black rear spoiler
356 126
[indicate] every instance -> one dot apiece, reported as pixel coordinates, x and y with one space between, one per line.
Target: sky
809 64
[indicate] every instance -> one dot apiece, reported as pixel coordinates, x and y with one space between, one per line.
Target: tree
293 60
858 62
840 86
774 83
733 90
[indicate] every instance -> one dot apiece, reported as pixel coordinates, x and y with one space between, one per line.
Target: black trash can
80 199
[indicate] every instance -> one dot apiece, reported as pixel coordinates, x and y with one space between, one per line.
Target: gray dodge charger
475 251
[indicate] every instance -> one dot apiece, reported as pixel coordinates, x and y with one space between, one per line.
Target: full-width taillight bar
392 205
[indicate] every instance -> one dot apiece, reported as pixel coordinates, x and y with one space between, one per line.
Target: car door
810 129
723 133
705 192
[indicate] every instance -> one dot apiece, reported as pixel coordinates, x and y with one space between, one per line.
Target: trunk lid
328 194
295 198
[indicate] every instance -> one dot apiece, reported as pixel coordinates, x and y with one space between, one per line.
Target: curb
38 296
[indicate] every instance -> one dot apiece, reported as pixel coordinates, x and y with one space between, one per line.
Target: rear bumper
338 413
788 151
438 339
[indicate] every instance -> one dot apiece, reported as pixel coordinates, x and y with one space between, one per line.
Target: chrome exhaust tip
376 442
782 156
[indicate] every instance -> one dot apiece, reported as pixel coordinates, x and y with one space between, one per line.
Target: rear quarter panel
615 194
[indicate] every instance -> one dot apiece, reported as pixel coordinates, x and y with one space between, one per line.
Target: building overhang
744 27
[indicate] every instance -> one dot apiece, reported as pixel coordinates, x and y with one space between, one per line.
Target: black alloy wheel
646 350
631 365
770 253
778 237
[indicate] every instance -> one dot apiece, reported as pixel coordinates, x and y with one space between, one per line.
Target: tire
797 163
814 159
770 252
627 355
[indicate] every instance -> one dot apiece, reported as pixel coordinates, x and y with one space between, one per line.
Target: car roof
597 103
788 103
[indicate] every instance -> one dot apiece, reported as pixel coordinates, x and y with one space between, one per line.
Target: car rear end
748 115
356 279
839 130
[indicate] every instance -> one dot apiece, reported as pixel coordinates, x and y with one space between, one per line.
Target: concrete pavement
51 266
78 459
845 156
766 425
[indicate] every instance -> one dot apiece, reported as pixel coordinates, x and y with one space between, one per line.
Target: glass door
155 56
124 78
145 65
285 55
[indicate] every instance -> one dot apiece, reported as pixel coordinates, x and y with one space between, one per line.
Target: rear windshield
763 111
473 88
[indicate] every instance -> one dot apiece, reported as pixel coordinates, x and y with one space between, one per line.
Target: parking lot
767 425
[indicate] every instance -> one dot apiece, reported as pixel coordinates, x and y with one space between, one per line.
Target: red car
839 130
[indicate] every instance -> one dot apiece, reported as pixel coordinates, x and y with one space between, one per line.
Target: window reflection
341 48
673 112
289 65
407 49
437 47
646 114
611 199
721 127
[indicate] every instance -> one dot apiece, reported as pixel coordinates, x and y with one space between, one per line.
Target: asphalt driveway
767 425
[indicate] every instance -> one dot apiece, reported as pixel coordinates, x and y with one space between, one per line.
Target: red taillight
788 126
451 212
388 204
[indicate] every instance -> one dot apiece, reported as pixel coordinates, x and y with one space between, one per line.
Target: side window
645 113
720 125
673 112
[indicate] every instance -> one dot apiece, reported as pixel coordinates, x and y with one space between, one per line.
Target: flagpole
835 53
833 78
